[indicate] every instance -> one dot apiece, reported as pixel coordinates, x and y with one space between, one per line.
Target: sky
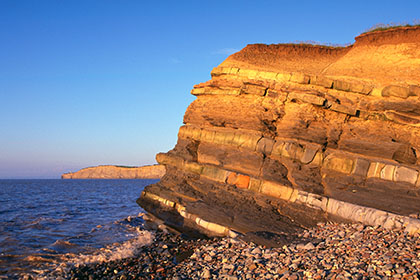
93 82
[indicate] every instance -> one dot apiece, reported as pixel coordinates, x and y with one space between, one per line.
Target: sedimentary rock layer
117 172
284 136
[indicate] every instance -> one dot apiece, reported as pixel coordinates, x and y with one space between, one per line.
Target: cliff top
382 57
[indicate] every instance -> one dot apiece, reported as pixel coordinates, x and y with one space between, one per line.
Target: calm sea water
45 224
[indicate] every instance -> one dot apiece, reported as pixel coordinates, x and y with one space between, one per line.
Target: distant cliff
117 172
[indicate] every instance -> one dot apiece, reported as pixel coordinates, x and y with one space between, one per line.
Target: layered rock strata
117 172
285 136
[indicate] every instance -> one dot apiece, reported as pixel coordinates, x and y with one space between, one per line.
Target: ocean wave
111 252
45 218
115 251
40 221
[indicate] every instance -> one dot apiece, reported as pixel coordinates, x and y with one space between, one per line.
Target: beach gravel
328 251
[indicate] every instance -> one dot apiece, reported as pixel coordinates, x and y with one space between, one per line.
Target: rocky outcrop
118 172
284 136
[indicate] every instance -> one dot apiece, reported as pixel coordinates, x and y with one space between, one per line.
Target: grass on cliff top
125 166
376 27
319 44
382 26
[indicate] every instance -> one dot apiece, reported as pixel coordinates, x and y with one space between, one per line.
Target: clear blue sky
87 82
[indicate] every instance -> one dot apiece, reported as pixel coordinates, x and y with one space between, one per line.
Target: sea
47 226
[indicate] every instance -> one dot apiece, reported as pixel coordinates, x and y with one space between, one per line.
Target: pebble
256 251
309 246
327 251
206 273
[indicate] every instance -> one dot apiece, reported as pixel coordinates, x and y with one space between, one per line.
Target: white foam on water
112 252
120 251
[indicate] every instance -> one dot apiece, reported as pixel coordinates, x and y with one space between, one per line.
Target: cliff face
117 172
285 136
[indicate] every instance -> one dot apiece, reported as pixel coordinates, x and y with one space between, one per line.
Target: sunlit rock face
285 136
117 172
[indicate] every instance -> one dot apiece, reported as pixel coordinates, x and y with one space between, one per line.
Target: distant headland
118 172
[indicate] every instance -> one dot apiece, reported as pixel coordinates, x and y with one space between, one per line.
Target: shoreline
328 251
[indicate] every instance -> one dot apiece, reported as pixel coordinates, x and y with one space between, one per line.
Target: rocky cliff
285 136
117 172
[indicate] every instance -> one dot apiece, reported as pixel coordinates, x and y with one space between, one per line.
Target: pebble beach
328 251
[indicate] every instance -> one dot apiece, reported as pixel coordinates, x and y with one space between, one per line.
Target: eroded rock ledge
285 136
117 172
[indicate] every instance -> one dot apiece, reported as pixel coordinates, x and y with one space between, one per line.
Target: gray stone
361 167
308 155
404 174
